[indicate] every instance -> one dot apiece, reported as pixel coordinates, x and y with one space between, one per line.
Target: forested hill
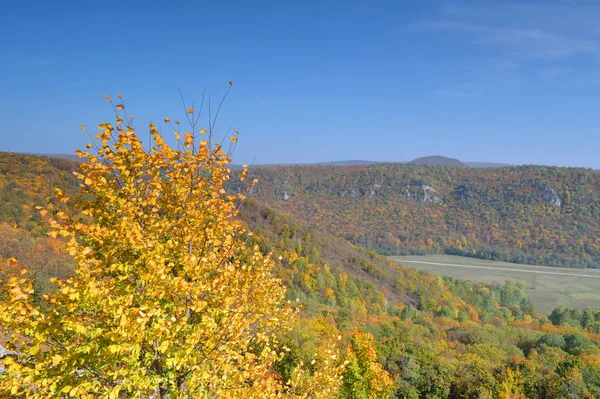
526 214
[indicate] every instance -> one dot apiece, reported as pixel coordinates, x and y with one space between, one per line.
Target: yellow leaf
189 139
167 120
114 394
120 107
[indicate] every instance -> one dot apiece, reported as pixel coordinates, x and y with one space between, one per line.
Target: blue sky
315 80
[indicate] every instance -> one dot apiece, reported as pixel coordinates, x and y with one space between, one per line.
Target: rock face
422 193
550 196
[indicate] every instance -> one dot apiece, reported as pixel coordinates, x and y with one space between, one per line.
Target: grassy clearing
548 287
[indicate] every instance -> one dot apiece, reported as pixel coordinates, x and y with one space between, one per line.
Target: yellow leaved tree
169 299
364 377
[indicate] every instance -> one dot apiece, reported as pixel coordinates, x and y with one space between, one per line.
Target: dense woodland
527 214
436 337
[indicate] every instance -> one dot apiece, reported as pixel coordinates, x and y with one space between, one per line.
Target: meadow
548 287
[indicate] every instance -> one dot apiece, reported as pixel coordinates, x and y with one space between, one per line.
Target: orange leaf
120 107
167 120
190 110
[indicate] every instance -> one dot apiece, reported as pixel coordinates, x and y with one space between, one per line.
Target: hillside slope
329 273
527 214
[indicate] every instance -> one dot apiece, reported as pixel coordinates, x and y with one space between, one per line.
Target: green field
548 287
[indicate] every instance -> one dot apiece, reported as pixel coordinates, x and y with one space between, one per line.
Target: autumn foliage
170 297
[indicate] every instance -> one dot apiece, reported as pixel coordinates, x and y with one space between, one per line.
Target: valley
548 287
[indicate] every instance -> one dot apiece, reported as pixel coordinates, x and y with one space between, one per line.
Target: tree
168 300
364 377
512 385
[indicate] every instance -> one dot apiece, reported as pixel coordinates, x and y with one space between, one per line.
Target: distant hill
437 160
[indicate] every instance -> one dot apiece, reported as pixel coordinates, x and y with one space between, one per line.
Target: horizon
511 82
344 162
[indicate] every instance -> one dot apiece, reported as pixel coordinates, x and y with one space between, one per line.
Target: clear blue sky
315 80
